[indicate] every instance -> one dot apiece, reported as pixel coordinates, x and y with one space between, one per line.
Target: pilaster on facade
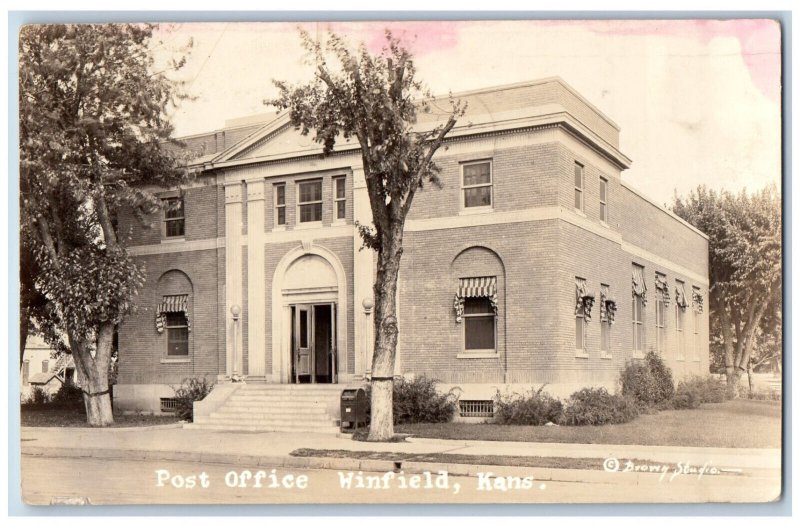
256 279
233 279
363 263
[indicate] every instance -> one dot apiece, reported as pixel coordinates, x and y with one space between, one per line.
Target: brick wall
430 337
143 350
201 210
651 228
533 168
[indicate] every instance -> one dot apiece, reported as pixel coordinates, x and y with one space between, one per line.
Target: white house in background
39 369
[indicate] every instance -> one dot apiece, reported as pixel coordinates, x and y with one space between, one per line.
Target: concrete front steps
275 408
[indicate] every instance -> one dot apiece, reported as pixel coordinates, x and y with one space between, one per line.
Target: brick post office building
535 263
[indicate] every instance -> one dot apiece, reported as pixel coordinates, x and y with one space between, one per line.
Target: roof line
663 209
522 84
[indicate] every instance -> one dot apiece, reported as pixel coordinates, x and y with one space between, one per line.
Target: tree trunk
93 375
381 425
23 335
727 339
386 330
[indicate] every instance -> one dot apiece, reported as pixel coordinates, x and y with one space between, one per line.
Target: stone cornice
563 121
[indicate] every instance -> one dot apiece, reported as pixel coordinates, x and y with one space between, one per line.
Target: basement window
476 408
169 405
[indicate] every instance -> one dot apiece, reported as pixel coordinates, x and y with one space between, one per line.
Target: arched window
479 286
173 313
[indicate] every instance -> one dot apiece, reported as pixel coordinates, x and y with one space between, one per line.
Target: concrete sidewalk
173 443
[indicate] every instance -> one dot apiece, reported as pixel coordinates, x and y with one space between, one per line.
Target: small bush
418 401
649 382
685 398
697 390
68 395
595 406
532 408
764 395
190 390
37 397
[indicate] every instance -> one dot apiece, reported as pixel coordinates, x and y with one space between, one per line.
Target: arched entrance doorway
309 337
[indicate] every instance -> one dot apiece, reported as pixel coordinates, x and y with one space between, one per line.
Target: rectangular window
476 182
680 323
638 326
339 200
173 217
639 292
480 408
580 318
580 330
578 186
605 325
479 325
661 317
603 200
280 204
309 200
697 322
177 335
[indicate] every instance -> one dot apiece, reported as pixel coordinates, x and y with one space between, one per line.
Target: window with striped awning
680 295
639 286
662 289
697 300
172 304
476 287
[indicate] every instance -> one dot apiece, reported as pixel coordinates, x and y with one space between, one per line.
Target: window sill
579 212
580 354
466 211
279 228
334 223
174 239
638 355
680 359
478 355
176 361
308 225
606 356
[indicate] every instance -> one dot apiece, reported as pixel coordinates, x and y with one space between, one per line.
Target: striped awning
480 287
680 296
662 289
172 304
639 285
584 299
476 287
697 300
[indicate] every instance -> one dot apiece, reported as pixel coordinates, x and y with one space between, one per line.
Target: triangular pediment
277 138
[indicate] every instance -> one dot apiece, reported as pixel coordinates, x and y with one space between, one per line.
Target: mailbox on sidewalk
353 409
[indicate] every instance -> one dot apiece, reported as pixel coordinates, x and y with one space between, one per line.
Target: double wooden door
314 343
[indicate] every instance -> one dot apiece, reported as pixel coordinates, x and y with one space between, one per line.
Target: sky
697 101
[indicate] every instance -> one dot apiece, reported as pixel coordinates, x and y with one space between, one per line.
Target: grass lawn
77 417
739 424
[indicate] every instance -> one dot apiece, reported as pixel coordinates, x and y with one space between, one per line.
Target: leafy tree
92 129
374 99
744 266
32 303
